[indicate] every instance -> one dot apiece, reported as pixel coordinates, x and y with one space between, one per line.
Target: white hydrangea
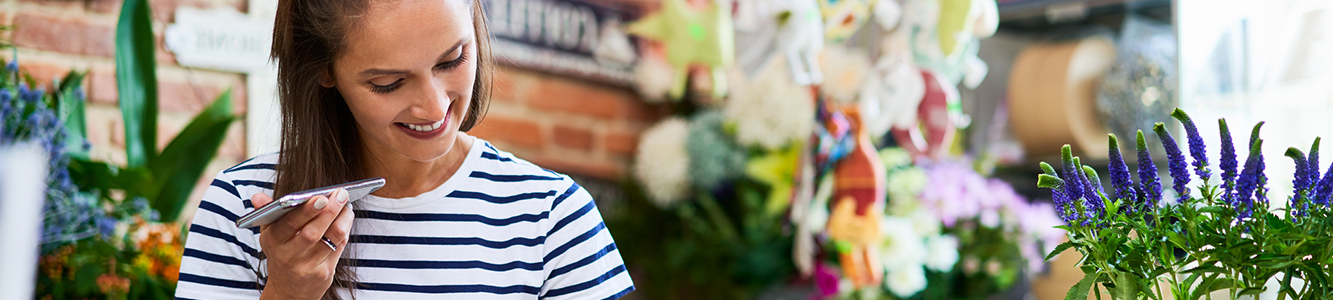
906 281
770 110
901 246
662 164
652 78
943 252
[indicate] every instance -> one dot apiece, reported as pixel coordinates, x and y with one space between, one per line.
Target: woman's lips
424 131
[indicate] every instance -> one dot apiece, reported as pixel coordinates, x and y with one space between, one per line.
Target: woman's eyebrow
382 72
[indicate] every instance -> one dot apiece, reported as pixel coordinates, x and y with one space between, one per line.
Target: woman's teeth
424 128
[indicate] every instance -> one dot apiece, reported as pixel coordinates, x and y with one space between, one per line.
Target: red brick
622 144
572 137
104 6
45 72
515 131
509 82
585 167
102 86
172 96
578 97
63 35
233 146
57 3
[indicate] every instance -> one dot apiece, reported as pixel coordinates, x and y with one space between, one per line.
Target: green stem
719 219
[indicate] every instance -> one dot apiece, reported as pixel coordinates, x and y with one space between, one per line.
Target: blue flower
1300 181
1071 173
1150 190
12 66
1312 166
1197 150
1228 162
1180 176
1251 178
1094 206
1124 186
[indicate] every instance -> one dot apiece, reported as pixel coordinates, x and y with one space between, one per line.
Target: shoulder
505 171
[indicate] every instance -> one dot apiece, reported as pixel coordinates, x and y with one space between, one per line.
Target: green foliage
690 247
164 178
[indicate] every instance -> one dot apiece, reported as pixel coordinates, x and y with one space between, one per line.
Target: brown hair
319 148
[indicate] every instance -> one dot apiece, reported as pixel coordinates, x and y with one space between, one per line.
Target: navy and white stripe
500 228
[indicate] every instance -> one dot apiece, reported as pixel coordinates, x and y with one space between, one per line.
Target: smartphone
275 210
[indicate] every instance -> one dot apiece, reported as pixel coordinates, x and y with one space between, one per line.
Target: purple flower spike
1051 180
1312 166
1151 186
1180 176
1070 173
1249 182
1096 207
1301 180
1197 150
1124 187
1228 162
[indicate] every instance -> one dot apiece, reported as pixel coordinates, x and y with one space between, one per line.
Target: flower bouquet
1226 236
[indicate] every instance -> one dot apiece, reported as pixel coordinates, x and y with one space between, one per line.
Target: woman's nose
433 100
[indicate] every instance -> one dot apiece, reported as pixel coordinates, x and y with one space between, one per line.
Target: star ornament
692 37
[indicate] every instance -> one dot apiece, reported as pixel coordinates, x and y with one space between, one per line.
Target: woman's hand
300 262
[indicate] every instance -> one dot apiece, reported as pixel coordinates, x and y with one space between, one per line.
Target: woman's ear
326 79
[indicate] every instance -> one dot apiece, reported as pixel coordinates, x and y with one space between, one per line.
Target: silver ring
329 243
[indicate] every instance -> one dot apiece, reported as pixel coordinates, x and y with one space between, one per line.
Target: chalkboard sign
563 36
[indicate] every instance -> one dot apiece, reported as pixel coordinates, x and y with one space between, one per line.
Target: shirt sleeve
581 260
220 259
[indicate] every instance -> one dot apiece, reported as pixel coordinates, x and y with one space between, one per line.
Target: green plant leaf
1080 290
71 112
1254 291
184 159
136 81
1212 284
1058 249
1126 286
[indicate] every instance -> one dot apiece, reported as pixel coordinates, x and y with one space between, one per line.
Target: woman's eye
384 89
448 65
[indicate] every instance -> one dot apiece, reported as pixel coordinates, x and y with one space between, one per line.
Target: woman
388 88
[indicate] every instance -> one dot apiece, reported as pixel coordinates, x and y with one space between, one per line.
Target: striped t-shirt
499 228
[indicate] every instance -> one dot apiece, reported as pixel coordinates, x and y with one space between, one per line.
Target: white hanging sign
221 39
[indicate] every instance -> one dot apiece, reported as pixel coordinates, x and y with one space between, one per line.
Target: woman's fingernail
342 196
320 203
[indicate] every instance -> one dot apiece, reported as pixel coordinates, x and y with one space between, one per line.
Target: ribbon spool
1052 96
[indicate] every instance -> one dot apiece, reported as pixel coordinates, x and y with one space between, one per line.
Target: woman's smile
424 131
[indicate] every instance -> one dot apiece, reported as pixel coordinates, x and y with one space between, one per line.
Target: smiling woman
389 88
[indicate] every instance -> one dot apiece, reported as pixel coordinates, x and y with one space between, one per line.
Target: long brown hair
319 146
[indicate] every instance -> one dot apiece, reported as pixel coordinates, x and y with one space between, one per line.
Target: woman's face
407 75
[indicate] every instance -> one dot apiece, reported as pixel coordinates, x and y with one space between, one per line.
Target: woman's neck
405 177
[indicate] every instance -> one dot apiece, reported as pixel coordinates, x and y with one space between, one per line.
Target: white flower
770 111
925 222
906 281
845 72
901 245
907 183
943 252
652 77
662 164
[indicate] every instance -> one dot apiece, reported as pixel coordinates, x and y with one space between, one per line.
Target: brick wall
55 36
565 124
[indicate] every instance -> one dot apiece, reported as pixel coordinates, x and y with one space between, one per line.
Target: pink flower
826 279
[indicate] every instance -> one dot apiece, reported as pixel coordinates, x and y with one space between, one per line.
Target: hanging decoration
693 37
